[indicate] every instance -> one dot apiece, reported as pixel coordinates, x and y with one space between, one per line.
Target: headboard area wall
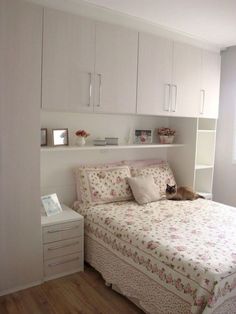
57 166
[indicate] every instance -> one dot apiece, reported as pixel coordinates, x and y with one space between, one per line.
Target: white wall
224 189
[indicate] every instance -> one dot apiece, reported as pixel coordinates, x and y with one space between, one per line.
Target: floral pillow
104 185
162 174
137 164
96 166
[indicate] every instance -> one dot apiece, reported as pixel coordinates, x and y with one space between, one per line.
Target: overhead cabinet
176 79
115 69
91 66
186 80
84 74
154 75
169 77
210 84
68 62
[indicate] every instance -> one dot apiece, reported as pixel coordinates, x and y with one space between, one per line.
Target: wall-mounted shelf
207 131
207 196
108 147
199 167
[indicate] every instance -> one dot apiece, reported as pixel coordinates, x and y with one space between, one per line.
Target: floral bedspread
188 247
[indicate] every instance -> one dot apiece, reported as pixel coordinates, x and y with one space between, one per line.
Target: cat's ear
167 185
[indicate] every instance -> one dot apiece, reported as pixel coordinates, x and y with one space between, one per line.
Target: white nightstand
63 243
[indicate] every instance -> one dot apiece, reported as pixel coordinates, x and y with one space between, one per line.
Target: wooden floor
78 293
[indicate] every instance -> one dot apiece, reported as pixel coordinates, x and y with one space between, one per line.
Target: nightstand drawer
61 248
62 231
61 265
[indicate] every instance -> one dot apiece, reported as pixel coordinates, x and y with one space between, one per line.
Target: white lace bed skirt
139 288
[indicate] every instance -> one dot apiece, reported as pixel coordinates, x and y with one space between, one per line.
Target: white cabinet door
115 69
210 84
68 62
154 74
187 63
20 86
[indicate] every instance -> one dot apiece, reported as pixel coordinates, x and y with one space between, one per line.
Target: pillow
144 189
162 174
137 164
107 165
104 185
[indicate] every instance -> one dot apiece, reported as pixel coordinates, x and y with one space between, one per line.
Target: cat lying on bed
181 193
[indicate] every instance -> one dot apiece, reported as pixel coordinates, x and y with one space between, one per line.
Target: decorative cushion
104 185
162 174
144 189
96 166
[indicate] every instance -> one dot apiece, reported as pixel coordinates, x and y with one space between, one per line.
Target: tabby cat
181 193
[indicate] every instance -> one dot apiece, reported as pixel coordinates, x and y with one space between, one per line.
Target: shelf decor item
81 136
112 140
99 142
51 204
60 137
44 137
166 135
143 136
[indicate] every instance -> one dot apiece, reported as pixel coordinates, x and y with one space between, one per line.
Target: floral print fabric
104 185
188 247
161 173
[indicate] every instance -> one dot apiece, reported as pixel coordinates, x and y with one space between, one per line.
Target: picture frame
60 137
51 204
44 137
143 136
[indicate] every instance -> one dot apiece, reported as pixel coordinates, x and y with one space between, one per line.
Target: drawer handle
62 246
64 262
65 229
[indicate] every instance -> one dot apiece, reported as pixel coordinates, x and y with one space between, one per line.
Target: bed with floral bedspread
188 248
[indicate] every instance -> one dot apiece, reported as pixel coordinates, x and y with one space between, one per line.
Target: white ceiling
210 20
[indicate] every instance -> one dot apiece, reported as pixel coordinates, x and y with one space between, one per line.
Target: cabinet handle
203 93
65 229
166 106
64 262
100 89
62 246
90 88
175 108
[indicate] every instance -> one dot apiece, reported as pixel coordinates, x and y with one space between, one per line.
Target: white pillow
144 189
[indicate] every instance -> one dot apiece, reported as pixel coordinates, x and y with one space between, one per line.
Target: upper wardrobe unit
176 79
88 66
91 66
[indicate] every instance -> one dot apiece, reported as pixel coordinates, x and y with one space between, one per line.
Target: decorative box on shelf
112 140
63 243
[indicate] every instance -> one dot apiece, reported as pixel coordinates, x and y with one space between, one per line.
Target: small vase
165 139
80 141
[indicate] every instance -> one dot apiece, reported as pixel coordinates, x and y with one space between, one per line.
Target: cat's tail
199 196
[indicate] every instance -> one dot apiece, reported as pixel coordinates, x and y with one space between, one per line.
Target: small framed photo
143 136
44 137
60 137
51 204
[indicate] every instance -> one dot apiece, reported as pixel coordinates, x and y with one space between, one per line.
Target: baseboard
19 288
67 273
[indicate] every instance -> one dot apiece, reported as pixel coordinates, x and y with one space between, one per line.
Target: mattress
188 247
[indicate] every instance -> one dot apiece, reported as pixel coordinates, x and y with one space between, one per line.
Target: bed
167 257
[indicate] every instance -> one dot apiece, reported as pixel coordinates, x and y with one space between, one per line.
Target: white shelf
107 147
207 131
208 196
199 167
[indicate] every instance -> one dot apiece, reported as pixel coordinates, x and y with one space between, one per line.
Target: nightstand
63 243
